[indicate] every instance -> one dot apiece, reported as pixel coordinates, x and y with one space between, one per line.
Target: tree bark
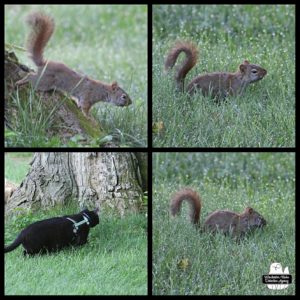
103 179
142 158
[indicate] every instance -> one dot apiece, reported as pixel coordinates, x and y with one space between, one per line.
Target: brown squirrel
224 221
55 75
218 84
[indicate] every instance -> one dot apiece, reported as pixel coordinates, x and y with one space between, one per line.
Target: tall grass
187 261
226 35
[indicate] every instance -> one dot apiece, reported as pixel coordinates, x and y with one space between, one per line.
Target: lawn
226 35
17 165
187 261
114 262
105 42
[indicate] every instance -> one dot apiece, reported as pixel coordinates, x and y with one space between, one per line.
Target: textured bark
10 187
92 178
142 166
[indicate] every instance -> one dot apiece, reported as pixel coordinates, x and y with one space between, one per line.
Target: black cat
56 233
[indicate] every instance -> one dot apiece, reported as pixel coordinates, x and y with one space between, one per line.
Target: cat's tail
14 245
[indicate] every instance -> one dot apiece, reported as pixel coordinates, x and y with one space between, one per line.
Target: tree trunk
143 169
108 180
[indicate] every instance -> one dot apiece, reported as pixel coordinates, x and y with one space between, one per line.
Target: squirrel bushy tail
191 53
42 27
192 198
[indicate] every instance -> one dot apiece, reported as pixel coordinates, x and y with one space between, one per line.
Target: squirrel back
42 27
190 61
225 221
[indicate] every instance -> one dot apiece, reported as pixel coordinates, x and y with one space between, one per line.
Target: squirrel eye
254 71
123 96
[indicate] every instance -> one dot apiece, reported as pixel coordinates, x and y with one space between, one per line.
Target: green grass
17 165
106 42
226 35
32 121
114 262
217 265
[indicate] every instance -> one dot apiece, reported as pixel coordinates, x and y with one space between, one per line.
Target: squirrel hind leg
24 80
41 84
32 78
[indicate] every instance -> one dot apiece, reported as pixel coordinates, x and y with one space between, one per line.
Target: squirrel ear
249 210
114 85
242 68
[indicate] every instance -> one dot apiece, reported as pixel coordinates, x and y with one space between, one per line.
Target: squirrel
55 75
224 221
218 84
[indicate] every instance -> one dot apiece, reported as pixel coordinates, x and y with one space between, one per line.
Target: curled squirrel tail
42 27
192 198
191 53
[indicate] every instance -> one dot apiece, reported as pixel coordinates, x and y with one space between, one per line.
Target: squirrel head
251 72
118 96
253 218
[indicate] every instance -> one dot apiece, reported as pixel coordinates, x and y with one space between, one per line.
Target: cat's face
93 215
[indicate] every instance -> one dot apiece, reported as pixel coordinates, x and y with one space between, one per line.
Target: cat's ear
84 209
